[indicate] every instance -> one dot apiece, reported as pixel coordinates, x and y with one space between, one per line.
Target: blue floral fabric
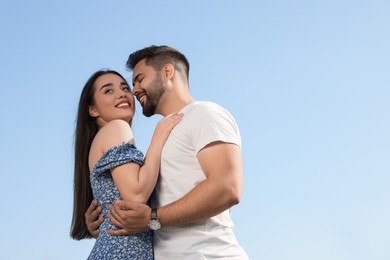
138 246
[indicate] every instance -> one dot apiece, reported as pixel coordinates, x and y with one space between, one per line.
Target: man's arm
222 165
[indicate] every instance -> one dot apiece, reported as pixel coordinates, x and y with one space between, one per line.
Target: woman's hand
165 126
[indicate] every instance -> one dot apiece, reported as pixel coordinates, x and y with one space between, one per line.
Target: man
201 171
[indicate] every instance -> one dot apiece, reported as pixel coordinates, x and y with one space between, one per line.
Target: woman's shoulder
116 126
114 133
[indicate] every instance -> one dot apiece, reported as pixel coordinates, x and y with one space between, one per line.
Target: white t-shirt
203 123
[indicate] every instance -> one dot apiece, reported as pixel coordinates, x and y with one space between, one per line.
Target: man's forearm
207 199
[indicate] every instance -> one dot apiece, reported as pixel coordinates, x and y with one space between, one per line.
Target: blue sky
307 81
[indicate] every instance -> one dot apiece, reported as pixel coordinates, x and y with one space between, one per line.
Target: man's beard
156 90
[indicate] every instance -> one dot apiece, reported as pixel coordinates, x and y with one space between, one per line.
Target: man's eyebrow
136 78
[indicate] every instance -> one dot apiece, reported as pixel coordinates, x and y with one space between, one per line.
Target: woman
108 166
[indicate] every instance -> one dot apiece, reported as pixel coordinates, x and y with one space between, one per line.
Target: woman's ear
92 111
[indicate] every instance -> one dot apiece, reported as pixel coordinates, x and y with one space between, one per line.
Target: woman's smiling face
112 99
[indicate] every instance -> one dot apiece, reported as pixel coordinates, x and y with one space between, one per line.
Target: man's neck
173 103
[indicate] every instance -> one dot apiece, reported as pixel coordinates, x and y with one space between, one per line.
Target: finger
177 116
95 233
115 221
94 214
93 211
176 120
113 215
92 207
119 213
96 224
172 120
119 232
169 118
174 116
93 228
124 205
171 115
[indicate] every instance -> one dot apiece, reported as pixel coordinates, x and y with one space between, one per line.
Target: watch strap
153 214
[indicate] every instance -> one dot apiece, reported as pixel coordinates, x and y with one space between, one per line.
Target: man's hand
91 218
131 217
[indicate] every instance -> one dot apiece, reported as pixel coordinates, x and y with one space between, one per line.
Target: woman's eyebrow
106 85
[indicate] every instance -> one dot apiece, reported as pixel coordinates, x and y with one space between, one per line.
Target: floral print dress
138 246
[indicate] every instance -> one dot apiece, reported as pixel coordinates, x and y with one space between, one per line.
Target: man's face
148 87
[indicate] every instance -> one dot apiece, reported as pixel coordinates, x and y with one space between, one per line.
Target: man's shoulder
206 106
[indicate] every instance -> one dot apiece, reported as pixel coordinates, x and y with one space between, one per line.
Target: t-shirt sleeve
212 123
118 155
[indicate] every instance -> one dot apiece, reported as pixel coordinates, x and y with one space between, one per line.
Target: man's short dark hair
158 56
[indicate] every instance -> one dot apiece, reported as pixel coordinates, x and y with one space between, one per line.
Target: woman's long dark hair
86 129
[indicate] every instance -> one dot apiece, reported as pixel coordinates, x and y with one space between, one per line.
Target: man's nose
135 90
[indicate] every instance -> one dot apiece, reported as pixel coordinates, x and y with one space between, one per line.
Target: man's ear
92 111
169 71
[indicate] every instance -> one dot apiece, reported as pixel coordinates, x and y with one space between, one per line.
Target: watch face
154 224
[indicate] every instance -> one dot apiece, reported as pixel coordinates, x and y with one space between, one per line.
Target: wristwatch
154 224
